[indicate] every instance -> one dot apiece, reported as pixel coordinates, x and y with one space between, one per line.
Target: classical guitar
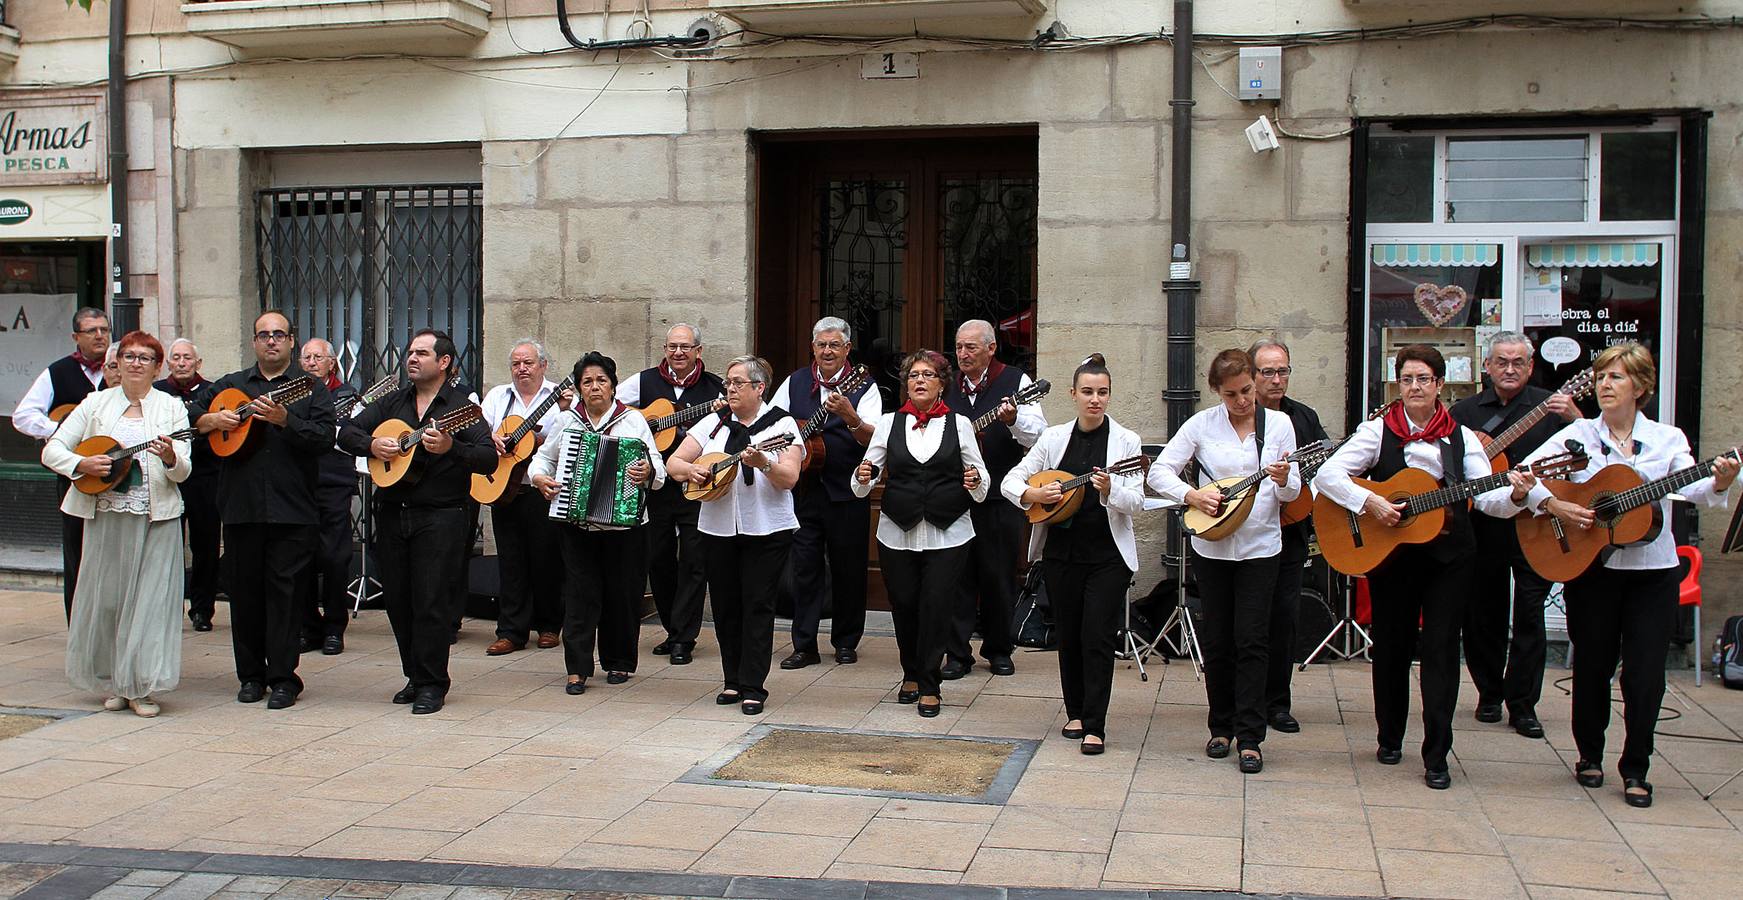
374 392
1239 492
389 472
60 413
1073 488
243 436
1496 447
668 422
1356 543
723 467
1031 394
121 458
519 439
1626 512
1299 509
812 429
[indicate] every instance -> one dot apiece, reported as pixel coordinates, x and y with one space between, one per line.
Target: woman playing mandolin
1624 609
1237 574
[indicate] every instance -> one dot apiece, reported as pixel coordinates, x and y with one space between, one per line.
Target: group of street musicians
713 485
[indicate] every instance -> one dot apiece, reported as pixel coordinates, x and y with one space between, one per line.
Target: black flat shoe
616 677
575 688
333 645
799 659
846 656
726 698
953 670
681 654
1638 801
1589 774
929 710
662 648
1489 712
306 644
202 622
905 696
1001 665
1067 731
250 692
1217 748
1389 756
1285 723
283 697
1091 749
751 707
1252 765
429 701
1439 780
405 694
1528 726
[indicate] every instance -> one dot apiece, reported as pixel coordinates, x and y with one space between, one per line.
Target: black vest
844 453
930 490
997 445
1456 540
67 379
650 386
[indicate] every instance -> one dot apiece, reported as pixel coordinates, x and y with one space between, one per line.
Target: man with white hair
833 523
199 491
327 606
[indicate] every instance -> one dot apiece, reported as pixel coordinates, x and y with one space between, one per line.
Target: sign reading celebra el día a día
52 141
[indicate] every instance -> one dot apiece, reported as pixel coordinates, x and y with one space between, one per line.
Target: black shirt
1487 413
444 480
273 482
1307 430
1085 537
205 462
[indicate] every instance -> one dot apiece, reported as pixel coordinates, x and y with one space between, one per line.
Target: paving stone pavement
514 772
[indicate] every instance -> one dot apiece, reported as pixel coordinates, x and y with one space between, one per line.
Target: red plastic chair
1689 594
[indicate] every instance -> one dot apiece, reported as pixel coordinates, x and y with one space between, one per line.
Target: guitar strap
1258 442
1493 423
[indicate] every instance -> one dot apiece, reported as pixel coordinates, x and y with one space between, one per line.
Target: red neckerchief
993 370
675 381
94 368
1440 424
333 381
936 411
186 390
818 382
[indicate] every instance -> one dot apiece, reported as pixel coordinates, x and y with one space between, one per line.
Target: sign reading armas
51 141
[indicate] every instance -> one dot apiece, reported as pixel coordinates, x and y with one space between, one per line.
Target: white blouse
1210 437
628 425
758 508
137 499
921 445
1362 451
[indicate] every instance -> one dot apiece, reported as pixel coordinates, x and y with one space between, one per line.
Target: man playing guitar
200 491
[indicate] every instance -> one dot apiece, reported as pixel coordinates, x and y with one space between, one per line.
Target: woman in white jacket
1089 559
125 637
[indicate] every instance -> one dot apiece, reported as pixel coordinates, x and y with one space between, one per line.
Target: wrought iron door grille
365 267
987 239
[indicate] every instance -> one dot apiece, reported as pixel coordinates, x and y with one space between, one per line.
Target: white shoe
115 704
144 707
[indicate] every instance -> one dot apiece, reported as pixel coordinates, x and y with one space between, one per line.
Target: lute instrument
121 458
811 430
243 436
1073 488
1496 447
1239 494
389 472
354 405
519 440
668 422
1626 512
723 467
1357 543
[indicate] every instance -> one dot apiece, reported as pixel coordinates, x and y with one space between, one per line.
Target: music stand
1137 649
1346 628
1181 618
364 588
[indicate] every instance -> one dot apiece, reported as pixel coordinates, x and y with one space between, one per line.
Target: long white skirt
125 637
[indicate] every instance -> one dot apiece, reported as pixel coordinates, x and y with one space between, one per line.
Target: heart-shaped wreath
1440 304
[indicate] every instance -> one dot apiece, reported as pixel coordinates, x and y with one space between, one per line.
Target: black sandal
1589 774
1217 748
1252 765
1089 749
726 698
1640 801
575 688
1067 731
930 710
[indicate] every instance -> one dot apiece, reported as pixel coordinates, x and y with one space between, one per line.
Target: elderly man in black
422 524
267 502
326 599
200 491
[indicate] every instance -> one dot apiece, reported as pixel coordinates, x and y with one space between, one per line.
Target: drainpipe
123 310
1181 394
680 41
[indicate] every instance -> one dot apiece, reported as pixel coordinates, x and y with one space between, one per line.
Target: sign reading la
60 142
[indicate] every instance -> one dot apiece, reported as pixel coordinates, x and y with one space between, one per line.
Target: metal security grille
366 267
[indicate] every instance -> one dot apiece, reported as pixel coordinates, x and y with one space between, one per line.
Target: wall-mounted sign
13 212
52 140
890 65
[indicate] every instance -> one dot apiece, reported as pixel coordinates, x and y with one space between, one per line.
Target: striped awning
1436 254
1592 254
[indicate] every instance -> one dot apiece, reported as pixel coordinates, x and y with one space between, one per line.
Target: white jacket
97 414
1125 499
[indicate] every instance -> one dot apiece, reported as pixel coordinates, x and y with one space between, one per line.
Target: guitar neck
538 413
182 435
683 416
1453 493
1517 430
1657 489
771 446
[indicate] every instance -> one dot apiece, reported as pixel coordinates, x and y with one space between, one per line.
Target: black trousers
1503 669
675 566
419 552
1236 637
922 585
1285 619
204 528
603 573
741 584
1088 605
326 598
839 530
263 564
988 592
1413 585
1628 617
72 549
530 565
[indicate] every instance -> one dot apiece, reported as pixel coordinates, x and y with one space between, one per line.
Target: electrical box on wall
1261 73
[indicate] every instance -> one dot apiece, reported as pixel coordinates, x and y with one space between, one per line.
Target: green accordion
593 469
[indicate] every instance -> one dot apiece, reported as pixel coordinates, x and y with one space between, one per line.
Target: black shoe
664 647
929 710
1528 726
251 692
453 638
202 622
846 656
575 688
751 707
333 645
905 697
681 654
1284 722
616 677
1389 756
283 697
726 698
799 659
1438 779
1217 748
429 700
306 644
1489 712
1639 801
1589 774
953 670
1001 665
1066 731
1252 765
1088 749
405 694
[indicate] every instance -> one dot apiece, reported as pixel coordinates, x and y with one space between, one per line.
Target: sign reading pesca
51 141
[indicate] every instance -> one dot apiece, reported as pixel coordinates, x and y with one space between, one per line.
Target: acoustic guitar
1239 493
1031 394
519 439
1299 509
374 392
1356 543
811 430
121 458
1576 387
60 413
1626 513
723 467
243 436
404 468
1074 488
668 422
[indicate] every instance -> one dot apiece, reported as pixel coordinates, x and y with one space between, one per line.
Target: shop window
1524 179
1400 184
1638 181
1442 295
1592 295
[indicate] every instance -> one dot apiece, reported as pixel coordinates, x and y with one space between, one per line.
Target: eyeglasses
1424 380
739 382
830 345
1276 372
264 336
139 359
94 329
918 374
681 348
